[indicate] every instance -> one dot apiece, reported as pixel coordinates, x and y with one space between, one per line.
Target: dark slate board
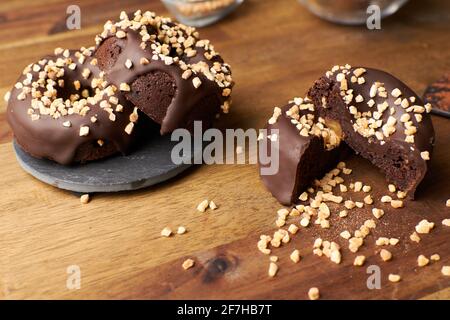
149 165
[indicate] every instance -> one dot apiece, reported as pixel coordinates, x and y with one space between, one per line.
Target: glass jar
350 11
200 13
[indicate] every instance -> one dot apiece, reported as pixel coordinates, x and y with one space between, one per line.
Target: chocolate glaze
48 138
182 109
399 160
301 159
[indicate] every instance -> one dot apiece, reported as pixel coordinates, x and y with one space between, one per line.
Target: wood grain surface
277 49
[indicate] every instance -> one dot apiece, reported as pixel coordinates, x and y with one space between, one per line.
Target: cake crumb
203 205
394 277
295 256
188 263
313 293
84 199
166 232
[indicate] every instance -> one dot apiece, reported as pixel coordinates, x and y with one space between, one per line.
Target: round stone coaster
149 165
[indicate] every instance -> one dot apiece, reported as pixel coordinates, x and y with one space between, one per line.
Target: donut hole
153 93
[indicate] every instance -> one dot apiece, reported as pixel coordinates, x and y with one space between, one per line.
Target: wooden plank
276 51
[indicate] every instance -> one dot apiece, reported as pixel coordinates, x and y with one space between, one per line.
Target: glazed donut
63 109
165 70
374 113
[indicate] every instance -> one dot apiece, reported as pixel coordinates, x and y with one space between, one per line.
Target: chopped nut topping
424 226
414 237
84 131
166 232
121 34
446 222
129 128
394 277
358 186
181 230
295 256
314 293
435 257
273 269
397 204
377 213
196 82
425 155
144 61
188 263
212 205
84 199
445 270
368 199
345 234
422 260
203 205
128 64
385 255
124 87
293 229
303 196
359 261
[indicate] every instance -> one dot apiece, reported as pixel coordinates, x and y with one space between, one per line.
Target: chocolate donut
63 109
376 115
165 70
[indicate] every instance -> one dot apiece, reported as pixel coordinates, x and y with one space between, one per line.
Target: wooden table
277 49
